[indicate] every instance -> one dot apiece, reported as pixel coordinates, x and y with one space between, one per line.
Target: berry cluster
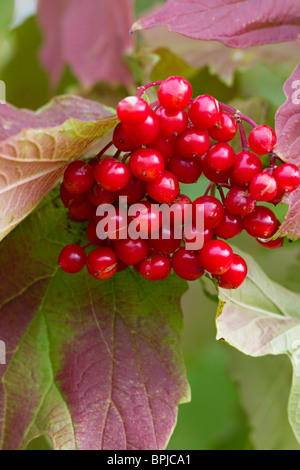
175 140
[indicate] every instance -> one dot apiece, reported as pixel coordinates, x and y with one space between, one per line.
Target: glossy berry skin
278 198
134 191
271 244
197 237
91 232
97 195
263 187
69 199
121 140
164 189
225 130
72 259
193 143
239 201
262 140
245 167
144 133
178 209
205 112
188 171
102 263
210 208
186 264
166 147
132 110
78 177
287 177
220 157
147 218
115 225
261 223
174 94
146 164
166 243
171 124
111 174
82 213
216 257
156 267
230 226
131 252
236 274
214 175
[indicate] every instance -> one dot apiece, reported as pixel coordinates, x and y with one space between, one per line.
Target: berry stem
220 189
208 188
126 156
142 89
117 154
237 114
101 153
243 136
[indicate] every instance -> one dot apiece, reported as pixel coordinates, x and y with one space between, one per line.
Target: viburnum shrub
174 140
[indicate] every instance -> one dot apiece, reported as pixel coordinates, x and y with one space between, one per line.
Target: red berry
287 177
91 232
115 225
102 263
214 175
164 189
155 267
205 112
78 177
246 166
72 259
146 164
144 133
174 94
262 140
111 174
261 223
171 124
97 195
193 143
82 213
130 251
178 209
263 187
187 170
272 244
210 208
132 110
225 130
146 220
220 157
239 201
166 243
192 235
186 264
230 226
216 257
69 199
134 191
278 198
121 140
236 274
166 147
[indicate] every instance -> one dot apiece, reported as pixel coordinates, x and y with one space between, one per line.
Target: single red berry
214 175
278 198
134 191
116 225
239 201
230 226
261 223
111 174
131 252
179 210
91 232
171 124
216 257
263 187
220 157
210 209
82 213
187 170
146 220
144 133
69 199
132 110
287 177
78 177
225 130
193 143
245 167
146 164
166 147
205 111
97 195
121 140
193 235
156 267
102 263
175 93
262 140
166 243
272 244
236 274
72 259
164 189
186 264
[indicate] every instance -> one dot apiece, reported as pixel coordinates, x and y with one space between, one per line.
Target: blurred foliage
223 413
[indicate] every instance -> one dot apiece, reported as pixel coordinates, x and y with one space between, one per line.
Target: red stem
244 140
143 88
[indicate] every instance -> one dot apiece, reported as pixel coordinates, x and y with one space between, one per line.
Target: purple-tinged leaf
35 148
93 365
236 23
287 125
91 36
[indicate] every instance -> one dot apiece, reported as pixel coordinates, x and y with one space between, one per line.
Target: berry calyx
72 259
102 263
262 140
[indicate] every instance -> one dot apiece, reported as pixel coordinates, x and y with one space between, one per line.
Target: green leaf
92 365
262 318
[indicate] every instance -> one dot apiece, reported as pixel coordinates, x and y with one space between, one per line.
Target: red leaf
235 23
91 36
